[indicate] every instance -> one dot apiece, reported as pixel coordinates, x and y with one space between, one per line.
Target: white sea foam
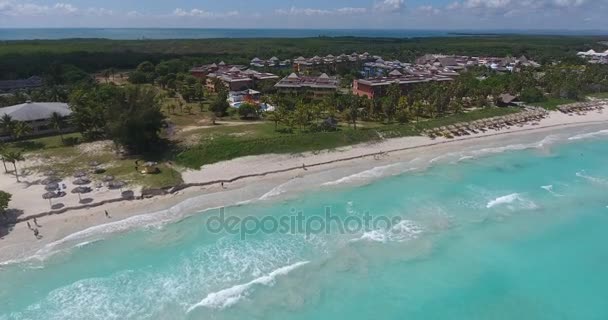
276 191
372 173
97 233
511 199
549 189
228 297
589 135
503 200
583 174
375 173
403 231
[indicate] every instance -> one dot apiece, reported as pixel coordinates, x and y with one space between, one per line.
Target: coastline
80 224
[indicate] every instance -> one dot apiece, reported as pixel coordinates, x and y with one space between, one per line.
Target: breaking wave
549 189
583 174
228 297
589 135
403 231
510 200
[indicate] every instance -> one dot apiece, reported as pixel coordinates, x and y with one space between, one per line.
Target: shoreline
20 243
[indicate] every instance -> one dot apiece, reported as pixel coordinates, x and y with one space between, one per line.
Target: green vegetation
223 144
163 113
23 58
5 199
553 103
600 95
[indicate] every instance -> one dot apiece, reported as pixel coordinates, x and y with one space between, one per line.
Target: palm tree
14 157
2 152
8 124
21 129
57 123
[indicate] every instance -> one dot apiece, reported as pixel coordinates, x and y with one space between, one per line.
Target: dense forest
20 59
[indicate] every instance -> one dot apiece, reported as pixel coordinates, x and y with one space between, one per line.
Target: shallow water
510 230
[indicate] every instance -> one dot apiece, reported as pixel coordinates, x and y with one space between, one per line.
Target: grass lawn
552 103
219 143
600 95
232 142
67 159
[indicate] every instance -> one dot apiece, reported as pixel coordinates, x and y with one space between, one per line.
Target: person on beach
29 226
222 184
37 234
36 223
107 214
304 166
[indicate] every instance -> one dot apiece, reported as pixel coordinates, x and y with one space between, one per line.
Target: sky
310 14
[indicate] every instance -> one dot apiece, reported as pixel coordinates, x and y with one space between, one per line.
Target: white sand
20 242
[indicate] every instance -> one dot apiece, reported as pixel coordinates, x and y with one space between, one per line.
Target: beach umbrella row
496 123
581 107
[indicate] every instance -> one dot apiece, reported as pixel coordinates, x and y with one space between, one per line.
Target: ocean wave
588 135
228 297
403 231
549 189
375 173
456 157
96 233
276 191
510 199
583 174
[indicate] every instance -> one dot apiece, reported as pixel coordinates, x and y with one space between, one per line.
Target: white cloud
389 5
428 10
203 14
349 10
99 12
293 11
510 7
27 9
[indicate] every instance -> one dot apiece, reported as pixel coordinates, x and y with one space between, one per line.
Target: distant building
15 85
457 63
329 62
377 87
233 77
594 57
316 86
37 114
273 62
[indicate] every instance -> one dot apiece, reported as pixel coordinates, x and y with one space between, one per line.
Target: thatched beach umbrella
116 184
79 174
50 180
50 173
48 196
51 186
80 190
82 181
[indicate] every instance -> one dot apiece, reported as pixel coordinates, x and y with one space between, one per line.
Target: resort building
273 62
458 63
378 86
233 77
315 86
37 115
15 85
594 57
330 62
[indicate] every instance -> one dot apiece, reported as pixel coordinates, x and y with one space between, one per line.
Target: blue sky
398 14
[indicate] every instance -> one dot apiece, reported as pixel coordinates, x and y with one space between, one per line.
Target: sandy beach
20 242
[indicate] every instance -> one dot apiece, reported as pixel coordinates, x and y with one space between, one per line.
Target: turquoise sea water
508 231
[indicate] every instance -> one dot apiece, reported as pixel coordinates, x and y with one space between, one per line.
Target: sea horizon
168 33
